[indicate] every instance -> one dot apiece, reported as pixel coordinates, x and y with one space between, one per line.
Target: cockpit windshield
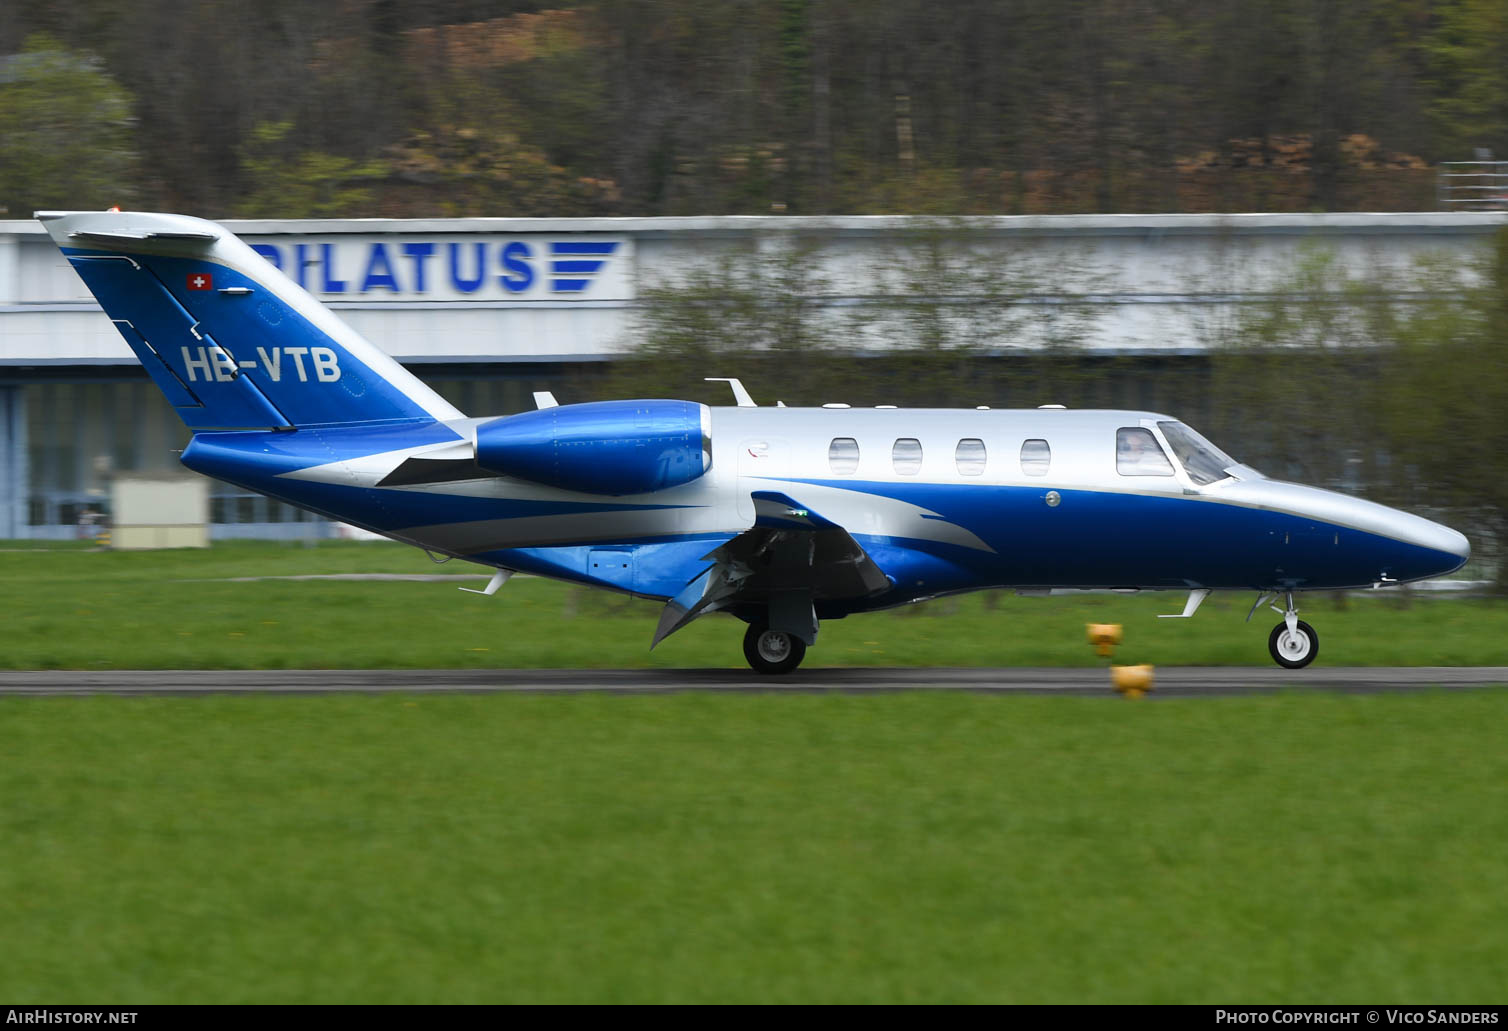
1203 461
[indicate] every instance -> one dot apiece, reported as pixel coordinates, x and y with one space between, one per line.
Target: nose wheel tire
1295 649
772 651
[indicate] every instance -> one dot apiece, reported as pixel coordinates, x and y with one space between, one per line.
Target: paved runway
1171 681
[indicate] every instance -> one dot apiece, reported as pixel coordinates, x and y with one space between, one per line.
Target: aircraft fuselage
950 508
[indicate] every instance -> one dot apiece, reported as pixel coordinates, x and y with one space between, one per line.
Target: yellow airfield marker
1104 637
1130 681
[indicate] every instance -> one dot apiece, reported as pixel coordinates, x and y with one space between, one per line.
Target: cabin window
1137 453
906 456
970 457
843 456
1036 457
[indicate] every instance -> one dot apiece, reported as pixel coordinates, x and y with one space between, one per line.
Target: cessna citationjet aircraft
780 516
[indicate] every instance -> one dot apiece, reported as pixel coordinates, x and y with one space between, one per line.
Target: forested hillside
655 107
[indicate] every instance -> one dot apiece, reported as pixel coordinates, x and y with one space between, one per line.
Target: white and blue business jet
781 516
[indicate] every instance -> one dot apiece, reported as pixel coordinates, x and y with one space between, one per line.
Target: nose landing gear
1294 648
1293 643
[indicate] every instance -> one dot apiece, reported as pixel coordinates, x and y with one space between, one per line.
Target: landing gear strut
772 651
1293 643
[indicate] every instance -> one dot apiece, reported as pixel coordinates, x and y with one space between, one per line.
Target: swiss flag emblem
201 281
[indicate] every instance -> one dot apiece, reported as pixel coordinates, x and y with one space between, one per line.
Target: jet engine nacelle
603 447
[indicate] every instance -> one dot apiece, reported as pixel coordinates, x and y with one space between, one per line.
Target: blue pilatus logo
418 267
574 264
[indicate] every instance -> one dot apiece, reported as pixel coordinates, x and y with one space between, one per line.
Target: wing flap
789 559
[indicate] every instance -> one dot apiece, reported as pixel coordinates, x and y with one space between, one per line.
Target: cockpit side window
1137 453
1203 461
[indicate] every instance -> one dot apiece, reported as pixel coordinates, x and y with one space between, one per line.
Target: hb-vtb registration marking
216 365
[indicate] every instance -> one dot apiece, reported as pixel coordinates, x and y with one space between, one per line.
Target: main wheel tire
1295 650
772 651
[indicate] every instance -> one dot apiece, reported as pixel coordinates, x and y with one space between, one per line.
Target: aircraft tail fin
230 340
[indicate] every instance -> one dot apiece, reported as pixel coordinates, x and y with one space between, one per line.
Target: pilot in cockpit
1137 453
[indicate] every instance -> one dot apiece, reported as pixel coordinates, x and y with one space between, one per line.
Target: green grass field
903 848
71 608
919 847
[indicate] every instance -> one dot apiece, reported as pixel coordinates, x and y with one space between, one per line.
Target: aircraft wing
789 559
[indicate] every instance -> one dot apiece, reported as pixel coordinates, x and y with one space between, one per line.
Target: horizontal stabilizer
133 235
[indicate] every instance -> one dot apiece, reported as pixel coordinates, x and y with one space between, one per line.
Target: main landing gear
1292 643
772 651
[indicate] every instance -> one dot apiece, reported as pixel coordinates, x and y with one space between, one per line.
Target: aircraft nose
1453 542
1433 535
1404 546
1451 547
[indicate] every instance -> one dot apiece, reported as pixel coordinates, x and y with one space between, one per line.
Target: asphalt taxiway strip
1171 681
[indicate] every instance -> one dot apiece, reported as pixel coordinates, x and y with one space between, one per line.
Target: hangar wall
489 309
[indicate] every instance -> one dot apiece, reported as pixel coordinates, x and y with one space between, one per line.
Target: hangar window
906 456
1036 457
970 456
1137 453
843 456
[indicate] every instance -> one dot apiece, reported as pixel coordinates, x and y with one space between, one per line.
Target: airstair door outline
760 459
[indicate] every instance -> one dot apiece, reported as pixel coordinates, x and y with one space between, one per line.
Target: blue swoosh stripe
579 247
581 267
